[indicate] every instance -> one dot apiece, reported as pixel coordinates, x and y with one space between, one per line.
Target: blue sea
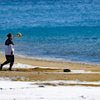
57 30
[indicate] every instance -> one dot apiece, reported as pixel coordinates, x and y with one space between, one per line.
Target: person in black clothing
9 52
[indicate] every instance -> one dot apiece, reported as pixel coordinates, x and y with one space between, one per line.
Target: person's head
10 36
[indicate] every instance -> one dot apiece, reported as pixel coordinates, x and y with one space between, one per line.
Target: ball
18 35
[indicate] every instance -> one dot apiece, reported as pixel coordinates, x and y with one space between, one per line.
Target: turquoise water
53 30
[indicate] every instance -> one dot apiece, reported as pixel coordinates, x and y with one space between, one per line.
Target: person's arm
11 49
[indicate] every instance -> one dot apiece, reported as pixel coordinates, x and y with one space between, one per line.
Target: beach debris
41 86
36 67
67 70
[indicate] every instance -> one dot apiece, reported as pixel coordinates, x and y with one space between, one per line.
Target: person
9 52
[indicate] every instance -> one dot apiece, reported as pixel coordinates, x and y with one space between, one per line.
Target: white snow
19 65
28 91
69 82
82 71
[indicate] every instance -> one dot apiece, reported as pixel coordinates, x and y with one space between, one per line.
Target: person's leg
12 62
6 62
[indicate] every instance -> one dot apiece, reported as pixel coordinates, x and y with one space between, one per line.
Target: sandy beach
51 71
46 80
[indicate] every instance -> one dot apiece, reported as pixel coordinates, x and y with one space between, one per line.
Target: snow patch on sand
19 65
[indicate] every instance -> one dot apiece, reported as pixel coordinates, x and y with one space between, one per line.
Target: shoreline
58 64
51 59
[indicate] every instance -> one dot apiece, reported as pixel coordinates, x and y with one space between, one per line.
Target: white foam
44 58
2 53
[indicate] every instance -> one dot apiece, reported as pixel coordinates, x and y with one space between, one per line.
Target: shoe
1 67
9 69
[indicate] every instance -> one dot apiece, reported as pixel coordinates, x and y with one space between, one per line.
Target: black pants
9 59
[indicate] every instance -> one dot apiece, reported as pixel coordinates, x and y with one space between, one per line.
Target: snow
11 90
69 82
27 91
19 65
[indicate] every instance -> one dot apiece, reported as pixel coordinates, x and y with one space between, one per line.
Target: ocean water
60 30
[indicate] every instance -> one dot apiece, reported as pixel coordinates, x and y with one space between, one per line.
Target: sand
55 72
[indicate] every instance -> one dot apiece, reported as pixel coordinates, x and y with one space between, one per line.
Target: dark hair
9 35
